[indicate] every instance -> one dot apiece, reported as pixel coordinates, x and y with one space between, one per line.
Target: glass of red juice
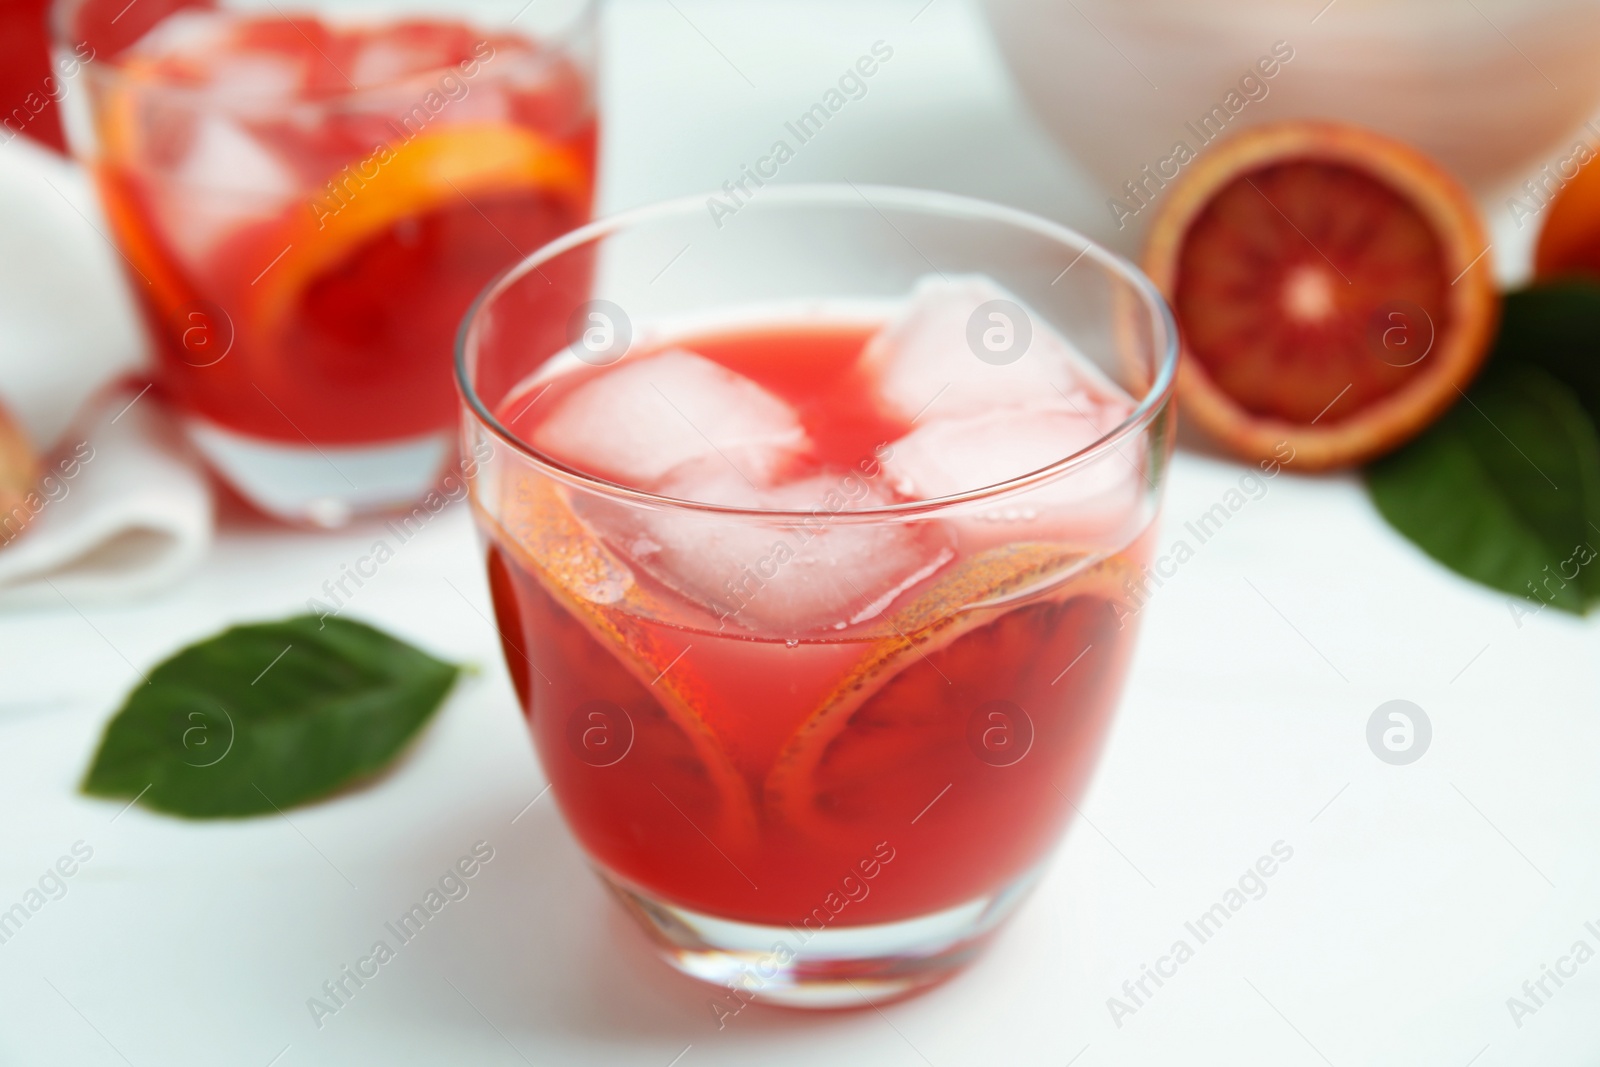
307 197
816 531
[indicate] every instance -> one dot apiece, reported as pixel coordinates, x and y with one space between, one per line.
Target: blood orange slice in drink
588 609
360 294
457 169
1333 288
163 282
900 728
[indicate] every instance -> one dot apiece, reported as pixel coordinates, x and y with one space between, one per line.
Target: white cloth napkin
122 510
135 511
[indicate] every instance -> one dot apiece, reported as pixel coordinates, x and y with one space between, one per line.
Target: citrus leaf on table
266 716
1504 489
1556 327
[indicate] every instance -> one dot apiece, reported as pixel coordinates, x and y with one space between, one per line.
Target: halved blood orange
586 611
893 729
1569 241
19 471
1332 287
448 168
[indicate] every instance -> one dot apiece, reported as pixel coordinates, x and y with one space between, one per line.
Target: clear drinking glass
307 197
819 735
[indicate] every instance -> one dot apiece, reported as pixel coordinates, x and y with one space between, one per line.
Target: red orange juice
917 752
306 208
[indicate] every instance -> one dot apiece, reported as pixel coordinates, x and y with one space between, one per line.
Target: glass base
323 485
827 968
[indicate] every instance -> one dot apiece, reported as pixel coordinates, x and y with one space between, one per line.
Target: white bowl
1492 89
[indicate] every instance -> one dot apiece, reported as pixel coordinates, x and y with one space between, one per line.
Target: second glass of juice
816 534
306 198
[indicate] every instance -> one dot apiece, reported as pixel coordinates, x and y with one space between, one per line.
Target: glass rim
117 67
1151 305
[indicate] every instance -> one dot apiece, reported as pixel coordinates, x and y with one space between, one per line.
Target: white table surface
1418 898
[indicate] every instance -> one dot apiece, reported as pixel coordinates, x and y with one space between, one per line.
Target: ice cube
215 54
227 179
223 155
947 353
257 84
189 32
640 419
815 574
385 60
709 480
1093 505
942 457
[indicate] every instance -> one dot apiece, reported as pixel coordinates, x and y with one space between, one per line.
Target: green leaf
1504 489
1556 327
267 716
